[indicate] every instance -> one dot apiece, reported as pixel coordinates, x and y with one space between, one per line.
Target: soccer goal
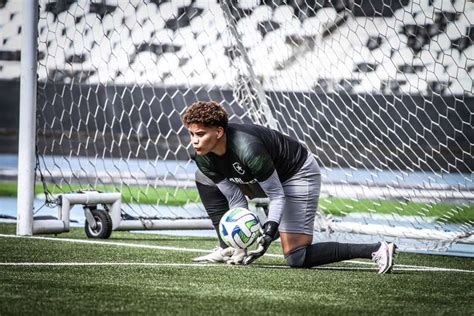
380 92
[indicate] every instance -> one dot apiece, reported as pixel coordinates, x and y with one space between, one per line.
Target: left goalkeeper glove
270 229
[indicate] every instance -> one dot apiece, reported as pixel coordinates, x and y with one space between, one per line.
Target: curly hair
207 113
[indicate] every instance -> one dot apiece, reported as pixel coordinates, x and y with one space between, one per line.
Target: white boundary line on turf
133 245
112 243
191 265
114 264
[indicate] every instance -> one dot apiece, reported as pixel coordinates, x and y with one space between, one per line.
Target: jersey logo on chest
238 168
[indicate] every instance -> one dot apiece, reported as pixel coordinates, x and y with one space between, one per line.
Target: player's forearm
274 190
232 192
275 209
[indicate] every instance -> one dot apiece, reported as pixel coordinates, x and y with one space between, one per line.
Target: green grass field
444 213
121 276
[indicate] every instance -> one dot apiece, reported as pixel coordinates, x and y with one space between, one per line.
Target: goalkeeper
235 160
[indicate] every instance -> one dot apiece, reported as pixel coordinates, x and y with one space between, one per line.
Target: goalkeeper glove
270 229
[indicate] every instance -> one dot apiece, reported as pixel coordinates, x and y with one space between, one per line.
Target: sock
329 252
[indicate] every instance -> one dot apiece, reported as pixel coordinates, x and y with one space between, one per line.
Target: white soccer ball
239 228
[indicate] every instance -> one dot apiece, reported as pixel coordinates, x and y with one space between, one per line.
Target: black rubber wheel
103 229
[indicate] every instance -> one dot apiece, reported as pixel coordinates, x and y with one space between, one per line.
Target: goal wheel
103 227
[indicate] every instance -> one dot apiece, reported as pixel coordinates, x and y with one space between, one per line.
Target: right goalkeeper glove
270 229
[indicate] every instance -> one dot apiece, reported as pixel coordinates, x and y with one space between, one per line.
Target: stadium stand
416 49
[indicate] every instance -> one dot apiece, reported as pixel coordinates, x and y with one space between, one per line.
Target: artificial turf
166 287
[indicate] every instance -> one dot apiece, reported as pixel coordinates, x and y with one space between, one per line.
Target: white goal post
27 124
381 94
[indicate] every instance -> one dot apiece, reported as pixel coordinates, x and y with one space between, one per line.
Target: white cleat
217 255
384 257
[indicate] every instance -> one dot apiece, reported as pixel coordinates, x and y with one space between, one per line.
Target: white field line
198 265
196 250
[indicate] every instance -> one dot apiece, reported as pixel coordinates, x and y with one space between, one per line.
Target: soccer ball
239 228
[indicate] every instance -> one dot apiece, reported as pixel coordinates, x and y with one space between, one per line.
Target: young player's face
205 139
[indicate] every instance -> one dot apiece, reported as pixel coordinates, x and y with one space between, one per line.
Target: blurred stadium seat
420 43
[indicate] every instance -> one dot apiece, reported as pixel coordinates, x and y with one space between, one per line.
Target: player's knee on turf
295 259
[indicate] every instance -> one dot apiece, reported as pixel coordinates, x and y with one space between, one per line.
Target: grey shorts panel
302 196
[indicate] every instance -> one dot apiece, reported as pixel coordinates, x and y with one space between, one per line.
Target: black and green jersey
253 153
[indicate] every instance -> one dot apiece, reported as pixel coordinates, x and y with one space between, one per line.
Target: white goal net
381 92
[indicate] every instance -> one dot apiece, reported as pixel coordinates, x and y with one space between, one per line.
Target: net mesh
381 92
